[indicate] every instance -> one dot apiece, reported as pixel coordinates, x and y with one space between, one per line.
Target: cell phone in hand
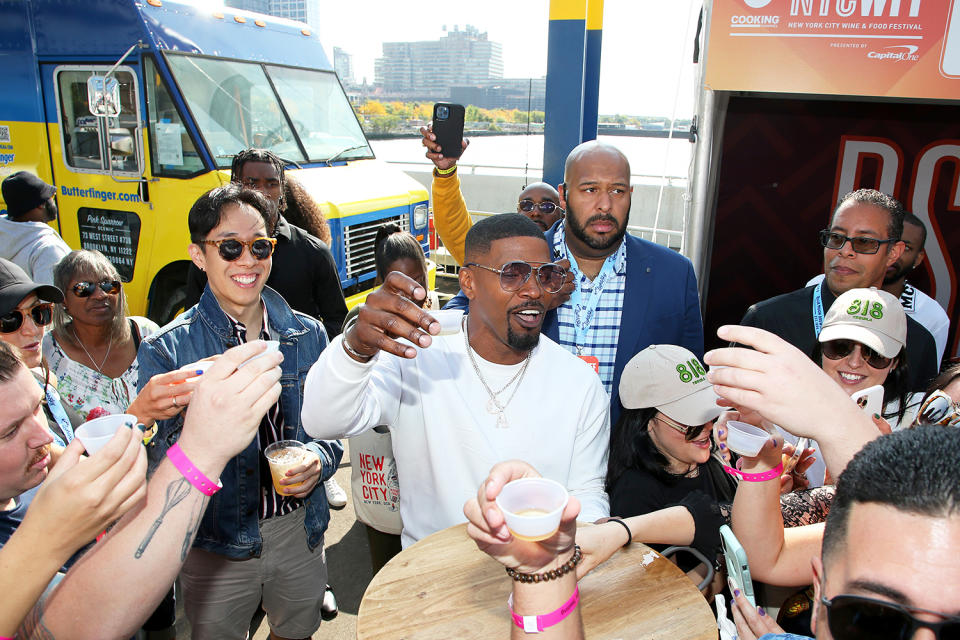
870 399
448 127
791 462
738 570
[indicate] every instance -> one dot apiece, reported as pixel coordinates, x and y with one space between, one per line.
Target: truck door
98 165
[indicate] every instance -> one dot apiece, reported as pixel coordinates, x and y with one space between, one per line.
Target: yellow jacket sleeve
450 216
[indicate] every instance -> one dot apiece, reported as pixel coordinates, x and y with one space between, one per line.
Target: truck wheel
168 294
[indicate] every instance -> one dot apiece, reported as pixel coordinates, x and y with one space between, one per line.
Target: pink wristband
536 624
776 472
180 460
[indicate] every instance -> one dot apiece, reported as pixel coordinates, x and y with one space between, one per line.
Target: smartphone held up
448 128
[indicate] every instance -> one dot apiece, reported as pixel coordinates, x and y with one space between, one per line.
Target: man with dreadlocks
304 272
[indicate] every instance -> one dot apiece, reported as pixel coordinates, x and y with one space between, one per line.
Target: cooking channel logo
896 53
755 21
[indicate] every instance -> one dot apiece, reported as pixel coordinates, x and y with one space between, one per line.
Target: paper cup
202 366
96 433
272 346
283 456
745 439
451 321
532 507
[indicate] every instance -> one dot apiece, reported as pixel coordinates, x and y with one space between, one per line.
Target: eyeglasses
860 244
939 409
689 432
514 275
546 207
860 618
841 348
231 249
42 315
85 289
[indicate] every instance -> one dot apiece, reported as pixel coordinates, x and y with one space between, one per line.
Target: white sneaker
336 496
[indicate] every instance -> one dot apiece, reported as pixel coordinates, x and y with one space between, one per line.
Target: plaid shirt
271 430
604 331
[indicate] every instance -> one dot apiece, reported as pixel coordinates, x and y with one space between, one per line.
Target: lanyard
56 410
584 312
817 310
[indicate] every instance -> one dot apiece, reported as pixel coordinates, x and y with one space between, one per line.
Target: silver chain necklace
493 404
92 361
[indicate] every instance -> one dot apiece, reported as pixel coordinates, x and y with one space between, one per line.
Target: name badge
593 361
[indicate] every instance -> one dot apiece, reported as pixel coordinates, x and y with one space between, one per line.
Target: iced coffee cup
283 456
532 507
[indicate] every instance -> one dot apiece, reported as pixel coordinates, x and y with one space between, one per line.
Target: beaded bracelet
553 574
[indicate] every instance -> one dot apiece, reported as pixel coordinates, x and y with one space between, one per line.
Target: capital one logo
756 4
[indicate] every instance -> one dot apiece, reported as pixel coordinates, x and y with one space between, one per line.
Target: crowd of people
579 357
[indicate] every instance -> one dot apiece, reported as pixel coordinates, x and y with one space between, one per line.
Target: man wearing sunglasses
541 203
253 544
889 568
458 403
25 237
862 241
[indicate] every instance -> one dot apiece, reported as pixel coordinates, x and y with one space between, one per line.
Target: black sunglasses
231 249
841 348
546 207
514 275
85 289
860 618
860 244
41 313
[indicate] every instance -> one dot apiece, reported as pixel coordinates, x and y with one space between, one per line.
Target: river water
650 158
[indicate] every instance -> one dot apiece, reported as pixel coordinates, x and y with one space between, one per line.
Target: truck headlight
420 216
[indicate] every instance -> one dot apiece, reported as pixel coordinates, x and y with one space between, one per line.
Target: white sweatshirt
33 246
444 439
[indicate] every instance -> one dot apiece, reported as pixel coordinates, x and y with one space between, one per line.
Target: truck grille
358 243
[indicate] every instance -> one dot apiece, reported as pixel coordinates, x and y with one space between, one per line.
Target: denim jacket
230 525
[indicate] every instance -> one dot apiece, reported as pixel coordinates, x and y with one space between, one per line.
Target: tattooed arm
118 583
806 507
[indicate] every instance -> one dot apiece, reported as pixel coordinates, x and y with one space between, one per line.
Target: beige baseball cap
871 316
671 379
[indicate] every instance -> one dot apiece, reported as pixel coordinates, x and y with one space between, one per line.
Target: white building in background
343 65
302 10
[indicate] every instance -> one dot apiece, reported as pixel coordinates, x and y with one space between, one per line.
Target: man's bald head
592 148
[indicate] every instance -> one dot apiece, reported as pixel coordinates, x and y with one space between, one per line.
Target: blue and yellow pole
573 81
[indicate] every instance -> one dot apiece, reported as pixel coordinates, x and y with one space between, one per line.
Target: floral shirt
84 388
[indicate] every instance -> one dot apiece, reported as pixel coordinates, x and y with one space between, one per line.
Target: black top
707 497
303 272
790 316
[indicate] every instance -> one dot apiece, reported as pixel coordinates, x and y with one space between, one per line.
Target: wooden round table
443 587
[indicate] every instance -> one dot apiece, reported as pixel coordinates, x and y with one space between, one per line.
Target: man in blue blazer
628 293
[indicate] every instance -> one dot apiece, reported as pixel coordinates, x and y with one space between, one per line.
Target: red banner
893 48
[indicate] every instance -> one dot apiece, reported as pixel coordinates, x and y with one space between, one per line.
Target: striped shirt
271 430
604 330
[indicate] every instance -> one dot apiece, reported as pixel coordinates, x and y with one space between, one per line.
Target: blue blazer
661 305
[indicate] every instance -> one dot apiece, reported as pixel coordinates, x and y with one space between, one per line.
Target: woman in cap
863 344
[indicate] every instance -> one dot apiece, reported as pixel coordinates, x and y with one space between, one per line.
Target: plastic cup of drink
745 439
200 366
97 432
283 456
272 346
450 321
532 507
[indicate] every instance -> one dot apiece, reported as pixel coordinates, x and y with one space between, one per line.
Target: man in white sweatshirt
25 237
457 404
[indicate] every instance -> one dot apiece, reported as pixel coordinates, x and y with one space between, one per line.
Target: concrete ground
348 564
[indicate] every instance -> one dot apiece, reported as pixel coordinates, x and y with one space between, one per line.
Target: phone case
737 567
870 399
448 127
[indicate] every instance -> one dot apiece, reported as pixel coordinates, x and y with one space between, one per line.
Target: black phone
448 127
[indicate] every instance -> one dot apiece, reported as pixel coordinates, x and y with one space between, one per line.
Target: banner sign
891 48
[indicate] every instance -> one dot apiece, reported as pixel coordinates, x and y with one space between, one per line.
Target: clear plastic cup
97 432
451 321
745 439
272 346
532 507
283 456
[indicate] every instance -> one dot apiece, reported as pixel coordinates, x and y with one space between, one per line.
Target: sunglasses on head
514 275
85 289
546 207
939 409
231 249
860 244
860 618
841 348
41 313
